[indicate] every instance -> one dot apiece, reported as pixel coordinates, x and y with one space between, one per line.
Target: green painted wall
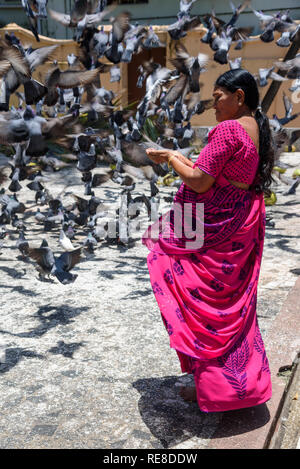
153 12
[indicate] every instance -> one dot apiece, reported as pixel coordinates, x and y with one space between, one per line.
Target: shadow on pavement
64 349
50 317
237 422
20 289
14 355
169 418
172 420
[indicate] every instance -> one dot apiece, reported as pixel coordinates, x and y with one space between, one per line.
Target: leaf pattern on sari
211 329
253 300
242 274
153 258
168 326
236 246
234 365
169 329
222 314
216 284
179 315
156 289
195 259
168 277
227 268
195 294
259 347
178 269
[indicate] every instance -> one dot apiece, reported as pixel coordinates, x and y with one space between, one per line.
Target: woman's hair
239 78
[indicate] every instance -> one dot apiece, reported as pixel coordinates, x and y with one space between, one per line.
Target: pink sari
207 297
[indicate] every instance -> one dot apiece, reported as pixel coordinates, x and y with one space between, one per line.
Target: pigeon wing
121 25
71 79
93 19
39 56
78 11
62 18
43 256
81 203
69 259
177 90
287 104
4 67
277 77
15 58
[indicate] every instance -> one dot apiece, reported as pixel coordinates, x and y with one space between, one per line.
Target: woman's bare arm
196 179
182 158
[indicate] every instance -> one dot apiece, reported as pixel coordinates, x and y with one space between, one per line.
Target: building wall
156 12
255 54
12 11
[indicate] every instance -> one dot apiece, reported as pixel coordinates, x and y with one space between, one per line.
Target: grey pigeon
235 63
90 243
284 40
22 244
185 7
44 258
48 264
152 40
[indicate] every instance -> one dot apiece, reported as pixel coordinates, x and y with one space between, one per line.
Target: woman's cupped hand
159 156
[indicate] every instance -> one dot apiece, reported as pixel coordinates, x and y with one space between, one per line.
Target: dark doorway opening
158 55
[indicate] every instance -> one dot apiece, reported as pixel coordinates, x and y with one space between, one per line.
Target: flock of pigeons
74 111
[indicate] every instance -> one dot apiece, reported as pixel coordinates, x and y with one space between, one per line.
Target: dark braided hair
239 78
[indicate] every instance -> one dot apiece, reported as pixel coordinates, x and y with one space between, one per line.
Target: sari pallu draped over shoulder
206 291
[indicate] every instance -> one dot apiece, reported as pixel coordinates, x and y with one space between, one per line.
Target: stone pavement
88 365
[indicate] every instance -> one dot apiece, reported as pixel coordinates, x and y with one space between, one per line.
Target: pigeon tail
65 277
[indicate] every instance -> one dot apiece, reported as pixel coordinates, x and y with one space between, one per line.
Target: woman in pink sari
207 290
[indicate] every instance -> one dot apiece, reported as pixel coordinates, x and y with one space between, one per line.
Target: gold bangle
169 160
